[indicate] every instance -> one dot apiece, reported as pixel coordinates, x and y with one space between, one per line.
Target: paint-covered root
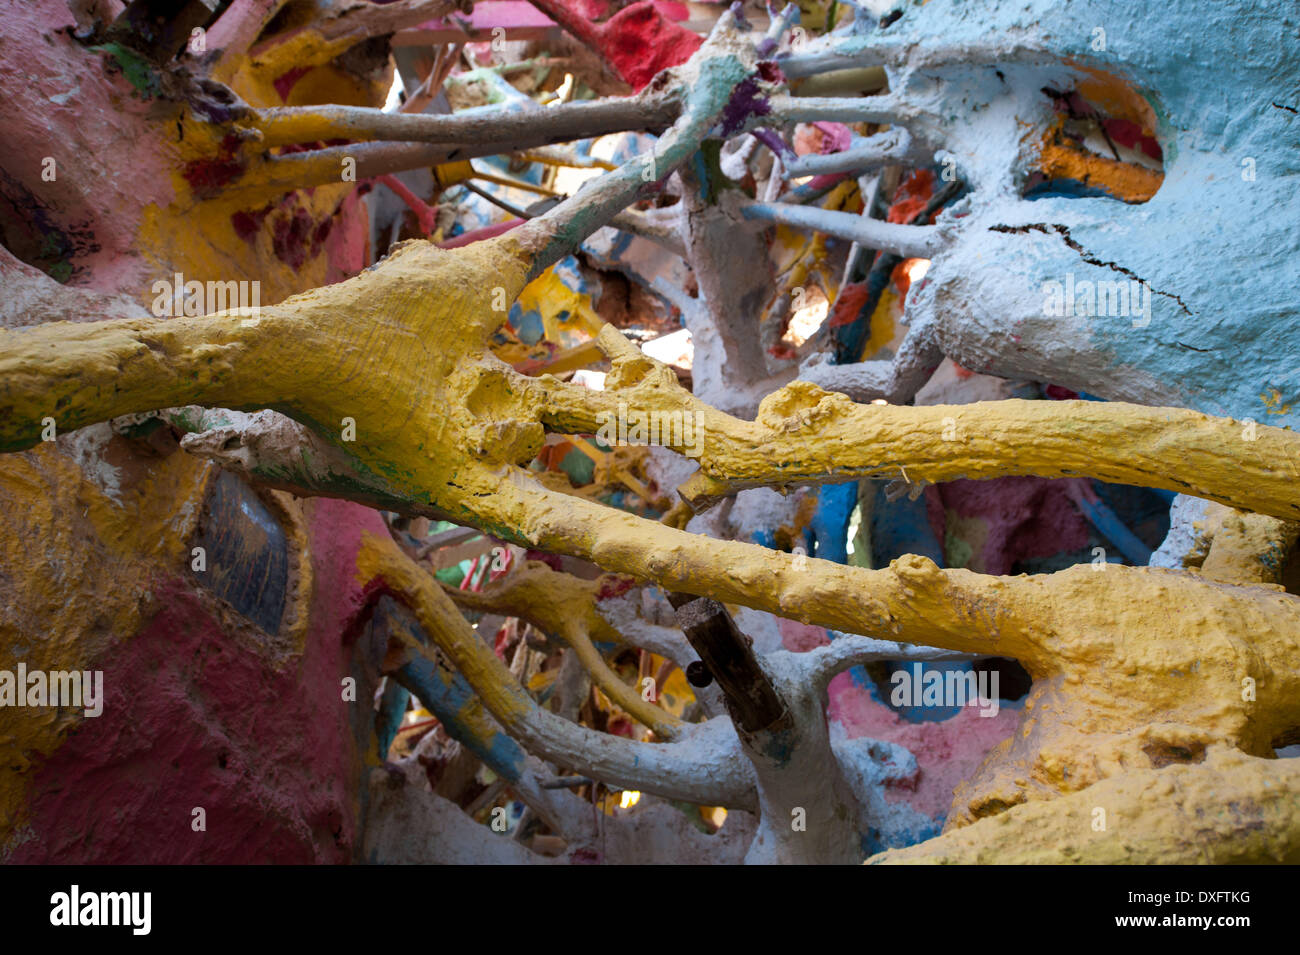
704 766
1221 671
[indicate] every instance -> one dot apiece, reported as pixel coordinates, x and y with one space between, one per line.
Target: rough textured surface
386 390
1231 808
966 78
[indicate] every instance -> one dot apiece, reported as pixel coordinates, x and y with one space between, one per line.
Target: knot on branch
629 366
916 571
799 404
515 441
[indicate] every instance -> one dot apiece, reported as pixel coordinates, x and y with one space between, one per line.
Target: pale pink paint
102 187
946 752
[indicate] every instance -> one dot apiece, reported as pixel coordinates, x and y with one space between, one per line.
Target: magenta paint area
1024 517
193 719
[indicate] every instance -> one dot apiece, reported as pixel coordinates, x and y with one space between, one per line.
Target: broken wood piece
726 652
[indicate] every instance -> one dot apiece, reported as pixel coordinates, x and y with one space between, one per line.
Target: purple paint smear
746 100
774 142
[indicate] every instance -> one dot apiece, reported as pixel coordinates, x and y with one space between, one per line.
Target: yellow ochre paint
91 584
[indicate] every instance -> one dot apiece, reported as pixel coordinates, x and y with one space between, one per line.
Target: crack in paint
1064 232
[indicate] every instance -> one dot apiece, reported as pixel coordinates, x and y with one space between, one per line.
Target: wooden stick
752 699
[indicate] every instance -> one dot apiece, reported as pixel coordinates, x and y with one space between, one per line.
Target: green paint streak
957 551
137 70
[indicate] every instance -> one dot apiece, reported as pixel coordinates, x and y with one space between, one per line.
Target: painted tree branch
523 128
1154 447
1054 624
909 241
464 718
703 767
399 355
563 605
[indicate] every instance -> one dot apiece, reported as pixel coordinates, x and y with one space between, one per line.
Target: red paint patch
639 42
295 235
912 196
1129 134
285 82
769 72
550 560
901 279
207 177
848 305
248 224
614 586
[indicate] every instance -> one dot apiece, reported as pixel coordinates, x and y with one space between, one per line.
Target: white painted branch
668 642
893 145
909 241
706 766
840 109
661 234
850 650
896 381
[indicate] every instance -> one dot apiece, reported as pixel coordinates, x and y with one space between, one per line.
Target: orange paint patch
1060 159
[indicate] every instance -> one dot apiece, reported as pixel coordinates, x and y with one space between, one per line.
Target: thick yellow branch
805 435
1096 640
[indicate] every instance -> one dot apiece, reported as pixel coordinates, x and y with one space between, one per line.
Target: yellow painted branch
322 356
563 605
1220 671
706 773
1247 548
79 373
805 435
381 559
912 600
